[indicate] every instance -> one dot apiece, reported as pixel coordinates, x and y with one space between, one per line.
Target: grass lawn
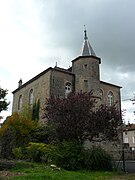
33 171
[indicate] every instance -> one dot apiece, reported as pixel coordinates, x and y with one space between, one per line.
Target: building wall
59 79
106 88
41 90
113 147
87 76
86 70
129 137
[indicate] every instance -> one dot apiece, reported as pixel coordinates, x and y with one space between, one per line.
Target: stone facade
59 78
41 90
106 88
114 148
86 70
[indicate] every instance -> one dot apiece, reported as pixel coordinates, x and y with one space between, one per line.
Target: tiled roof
87 49
129 127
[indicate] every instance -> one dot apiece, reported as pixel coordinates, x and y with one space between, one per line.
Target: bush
68 155
39 152
35 151
8 142
98 159
14 133
43 134
17 153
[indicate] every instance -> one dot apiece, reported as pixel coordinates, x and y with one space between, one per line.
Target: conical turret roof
87 49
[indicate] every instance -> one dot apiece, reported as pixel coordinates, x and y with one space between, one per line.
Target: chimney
20 83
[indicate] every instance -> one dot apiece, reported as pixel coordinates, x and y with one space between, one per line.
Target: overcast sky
35 34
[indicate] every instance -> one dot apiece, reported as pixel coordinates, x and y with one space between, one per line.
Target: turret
86 69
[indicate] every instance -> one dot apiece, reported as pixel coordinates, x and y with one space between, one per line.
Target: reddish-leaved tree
78 117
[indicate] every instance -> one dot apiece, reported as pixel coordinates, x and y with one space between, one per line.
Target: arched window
110 99
20 102
101 94
68 88
31 97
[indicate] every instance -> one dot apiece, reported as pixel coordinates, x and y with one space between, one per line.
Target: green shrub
35 151
43 134
39 152
98 159
68 155
15 133
17 153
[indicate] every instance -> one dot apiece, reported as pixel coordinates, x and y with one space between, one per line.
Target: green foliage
98 159
8 141
38 152
14 133
43 134
3 103
17 153
26 112
35 151
35 110
68 155
38 171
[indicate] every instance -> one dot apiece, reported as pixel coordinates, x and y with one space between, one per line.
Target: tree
109 120
77 117
15 133
3 103
35 110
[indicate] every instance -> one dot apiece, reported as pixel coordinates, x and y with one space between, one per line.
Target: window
68 88
85 85
125 132
20 102
101 94
133 138
31 97
110 99
126 140
85 66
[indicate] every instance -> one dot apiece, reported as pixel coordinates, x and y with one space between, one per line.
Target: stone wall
87 76
59 78
41 91
113 148
106 87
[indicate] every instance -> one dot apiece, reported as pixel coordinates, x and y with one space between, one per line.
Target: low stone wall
129 155
113 148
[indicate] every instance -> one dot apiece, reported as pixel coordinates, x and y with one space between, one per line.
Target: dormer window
31 97
68 88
